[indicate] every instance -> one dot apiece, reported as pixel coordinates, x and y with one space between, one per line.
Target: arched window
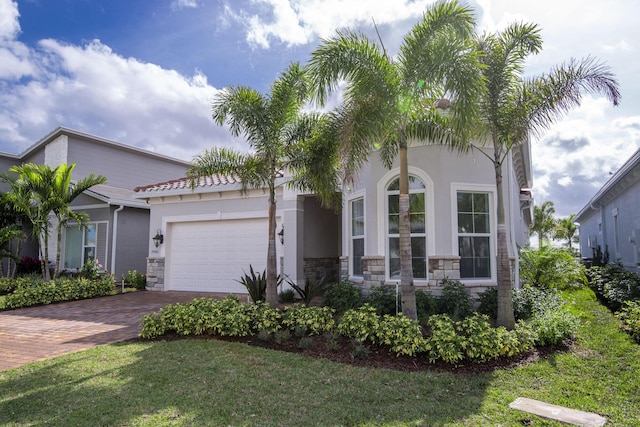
418 220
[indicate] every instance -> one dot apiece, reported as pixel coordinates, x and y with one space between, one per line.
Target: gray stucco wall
321 230
133 241
123 168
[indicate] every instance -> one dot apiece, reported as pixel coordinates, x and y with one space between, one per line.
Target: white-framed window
84 243
357 236
418 224
474 234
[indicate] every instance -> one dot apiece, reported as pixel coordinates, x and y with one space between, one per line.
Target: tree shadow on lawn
212 382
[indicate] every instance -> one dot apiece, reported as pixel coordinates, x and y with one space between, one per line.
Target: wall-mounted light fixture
158 239
281 235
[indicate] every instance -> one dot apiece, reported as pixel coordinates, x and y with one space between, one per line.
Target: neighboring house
214 232
610 222
118 227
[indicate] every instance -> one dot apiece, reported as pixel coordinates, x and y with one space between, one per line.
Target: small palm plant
311 289
256 284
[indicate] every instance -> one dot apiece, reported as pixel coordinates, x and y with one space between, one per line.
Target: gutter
114 239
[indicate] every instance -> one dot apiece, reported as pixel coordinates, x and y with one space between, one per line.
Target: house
214 232
610 221
117 232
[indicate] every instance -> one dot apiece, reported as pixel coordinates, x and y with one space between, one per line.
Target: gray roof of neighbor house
116 196
61 130
628 174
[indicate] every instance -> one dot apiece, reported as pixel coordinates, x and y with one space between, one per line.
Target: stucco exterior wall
133 240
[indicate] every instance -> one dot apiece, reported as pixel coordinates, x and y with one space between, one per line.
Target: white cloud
301 22
9 24
183 4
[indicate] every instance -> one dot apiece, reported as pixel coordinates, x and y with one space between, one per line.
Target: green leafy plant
455 299
360 323
614 285
343 296
314 320
529 302
384 299
629 315
311 289
554 327
91 269
444 343
265 318
360 350
401 334
282 336
489 302
256 284
550 267
135 279
427 305
39 292
287 296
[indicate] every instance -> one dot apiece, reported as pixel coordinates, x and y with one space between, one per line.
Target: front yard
211 382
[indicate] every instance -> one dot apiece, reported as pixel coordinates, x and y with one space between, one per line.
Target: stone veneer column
441 266
373 271
155 274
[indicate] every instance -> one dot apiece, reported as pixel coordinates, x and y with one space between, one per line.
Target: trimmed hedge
29 292
614 285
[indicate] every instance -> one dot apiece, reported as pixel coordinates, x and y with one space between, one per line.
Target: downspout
114 239
514 245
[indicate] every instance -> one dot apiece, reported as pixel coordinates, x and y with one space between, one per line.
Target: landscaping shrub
629 315
265 318
554 326
455 300
311 289
135 280
529 301
287 296
91 269
426 305
256 284
29 293
550 267
402 335
383 299
360 323
313 320
614 285
489 303
343 296
28 265
7 285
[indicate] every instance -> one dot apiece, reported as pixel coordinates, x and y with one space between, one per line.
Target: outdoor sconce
158 239
281 235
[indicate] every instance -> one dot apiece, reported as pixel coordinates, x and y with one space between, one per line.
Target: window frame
83 244
490 191
353 237
387 235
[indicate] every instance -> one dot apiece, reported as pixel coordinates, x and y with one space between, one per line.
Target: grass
199 382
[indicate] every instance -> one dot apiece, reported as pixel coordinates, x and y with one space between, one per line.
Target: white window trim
348 242
382 210
106 248
476 188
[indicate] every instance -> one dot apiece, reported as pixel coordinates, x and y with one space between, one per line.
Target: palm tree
64 192
10 232
39 192
279 136
566 229
391 101
543 221
514 107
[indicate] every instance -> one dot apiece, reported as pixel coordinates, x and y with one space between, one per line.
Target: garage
209 256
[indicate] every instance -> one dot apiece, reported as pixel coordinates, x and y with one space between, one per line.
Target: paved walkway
36 333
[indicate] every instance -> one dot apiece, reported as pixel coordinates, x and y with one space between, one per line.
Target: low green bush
401 334
313 320
554 327
135 280
287 296
383 299
629 315
360 323
343 296
614 285
550 267
265 318
455 300
426 305
527 301
29 293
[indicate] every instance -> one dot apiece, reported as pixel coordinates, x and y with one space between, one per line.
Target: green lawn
207 382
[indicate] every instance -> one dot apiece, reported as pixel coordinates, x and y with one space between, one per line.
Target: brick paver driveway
36 333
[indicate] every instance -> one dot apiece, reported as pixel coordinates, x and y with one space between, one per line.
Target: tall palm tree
514 107
10 233
566 229
39 192
543 221
392 101
64 192
278 135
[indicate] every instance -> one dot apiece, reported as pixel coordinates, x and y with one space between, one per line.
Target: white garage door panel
209 256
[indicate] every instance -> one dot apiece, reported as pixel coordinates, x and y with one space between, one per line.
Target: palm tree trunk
272 277
407 288
45 260
506 317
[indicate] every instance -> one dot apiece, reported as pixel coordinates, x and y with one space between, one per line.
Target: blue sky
144 72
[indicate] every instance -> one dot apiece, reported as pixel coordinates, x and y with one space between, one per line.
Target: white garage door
209 256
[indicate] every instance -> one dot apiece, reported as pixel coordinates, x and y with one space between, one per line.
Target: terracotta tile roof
183 183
